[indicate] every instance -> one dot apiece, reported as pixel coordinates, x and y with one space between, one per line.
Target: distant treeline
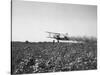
84 39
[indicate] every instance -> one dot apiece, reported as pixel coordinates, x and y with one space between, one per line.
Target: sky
31 20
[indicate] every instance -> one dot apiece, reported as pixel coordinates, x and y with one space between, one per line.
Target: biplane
58 36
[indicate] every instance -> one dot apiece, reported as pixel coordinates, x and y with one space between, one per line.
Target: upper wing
52 33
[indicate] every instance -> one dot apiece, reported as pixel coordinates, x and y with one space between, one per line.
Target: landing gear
58 41
53 41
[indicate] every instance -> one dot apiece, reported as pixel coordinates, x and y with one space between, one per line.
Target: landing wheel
53 41
58 41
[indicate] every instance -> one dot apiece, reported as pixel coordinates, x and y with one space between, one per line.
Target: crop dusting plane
58 36
62 37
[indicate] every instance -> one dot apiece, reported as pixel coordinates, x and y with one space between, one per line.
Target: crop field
43 57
